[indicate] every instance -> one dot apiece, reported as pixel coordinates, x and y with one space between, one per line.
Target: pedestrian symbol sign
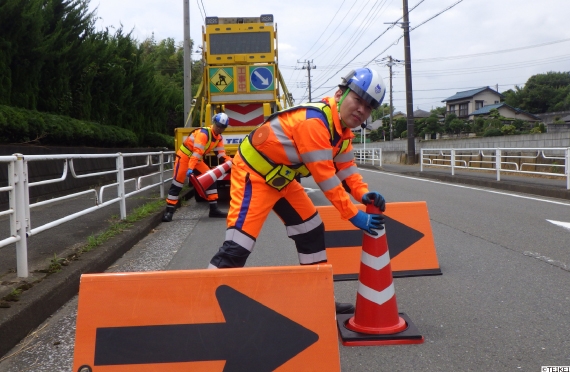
261 78
221 80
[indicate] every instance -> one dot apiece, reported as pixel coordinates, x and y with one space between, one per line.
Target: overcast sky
472 44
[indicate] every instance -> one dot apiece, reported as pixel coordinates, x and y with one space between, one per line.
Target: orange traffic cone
204 181
376 320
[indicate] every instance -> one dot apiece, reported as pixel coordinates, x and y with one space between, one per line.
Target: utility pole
390 64
308 67
187 66
409 98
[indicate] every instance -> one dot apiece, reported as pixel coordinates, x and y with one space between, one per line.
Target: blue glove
188 173
376 198
368 222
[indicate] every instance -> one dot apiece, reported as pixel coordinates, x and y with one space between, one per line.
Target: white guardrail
372 155
553 161
18 189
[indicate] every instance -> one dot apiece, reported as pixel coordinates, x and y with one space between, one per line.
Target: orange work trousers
179 177
251 201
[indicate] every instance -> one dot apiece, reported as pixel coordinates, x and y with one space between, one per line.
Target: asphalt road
501 304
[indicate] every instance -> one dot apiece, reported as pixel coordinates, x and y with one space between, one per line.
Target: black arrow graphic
399 237
253 338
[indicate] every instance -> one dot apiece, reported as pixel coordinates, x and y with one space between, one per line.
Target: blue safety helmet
367 83
221 120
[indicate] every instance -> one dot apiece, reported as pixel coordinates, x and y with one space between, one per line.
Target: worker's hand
376 198
188 173
368 222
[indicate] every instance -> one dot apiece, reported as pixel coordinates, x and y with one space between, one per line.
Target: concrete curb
39 302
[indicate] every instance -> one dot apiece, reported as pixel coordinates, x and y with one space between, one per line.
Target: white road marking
566 225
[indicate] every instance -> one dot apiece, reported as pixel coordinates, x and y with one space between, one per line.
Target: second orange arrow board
408 233
249 319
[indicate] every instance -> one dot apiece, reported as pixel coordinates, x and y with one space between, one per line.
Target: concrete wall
394 151
555 128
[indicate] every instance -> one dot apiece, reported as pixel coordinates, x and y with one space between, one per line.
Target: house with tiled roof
465 102
505 111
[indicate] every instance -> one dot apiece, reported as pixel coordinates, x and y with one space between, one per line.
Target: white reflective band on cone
374 262
375 296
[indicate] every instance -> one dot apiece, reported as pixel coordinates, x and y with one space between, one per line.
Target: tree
542 93
432 124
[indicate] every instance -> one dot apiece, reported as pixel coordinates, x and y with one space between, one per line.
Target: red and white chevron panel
246 114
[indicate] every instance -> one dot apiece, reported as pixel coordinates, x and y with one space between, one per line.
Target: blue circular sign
261 78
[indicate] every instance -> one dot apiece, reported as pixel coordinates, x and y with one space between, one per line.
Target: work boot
167 217
216 213
344 308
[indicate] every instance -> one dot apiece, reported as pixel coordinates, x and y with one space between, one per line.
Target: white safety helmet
221 120
367 83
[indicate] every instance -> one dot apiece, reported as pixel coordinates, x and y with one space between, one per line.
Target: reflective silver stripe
210 192
240 238
287 143
375 296
198 146
317 155
345 173
376 263
329 184
196 155
219 148
176 183
172 197
344 157
307 259
210 266
304 227
221 154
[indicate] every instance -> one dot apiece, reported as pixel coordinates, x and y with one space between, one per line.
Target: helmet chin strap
339 103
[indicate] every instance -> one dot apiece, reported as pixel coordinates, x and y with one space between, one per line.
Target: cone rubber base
408 336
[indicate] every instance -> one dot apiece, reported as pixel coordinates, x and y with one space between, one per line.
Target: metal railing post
498 163
121 185
567 168
421 160
161 169
20 216
380 157
453 162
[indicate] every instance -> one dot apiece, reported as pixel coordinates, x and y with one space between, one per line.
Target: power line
436 59
203 16
373 41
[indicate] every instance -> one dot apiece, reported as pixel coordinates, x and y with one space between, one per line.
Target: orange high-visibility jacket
201 141
312 136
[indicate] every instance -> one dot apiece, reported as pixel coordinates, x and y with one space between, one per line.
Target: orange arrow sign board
254 319
408 233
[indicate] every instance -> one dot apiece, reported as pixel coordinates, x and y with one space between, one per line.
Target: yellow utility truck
240 77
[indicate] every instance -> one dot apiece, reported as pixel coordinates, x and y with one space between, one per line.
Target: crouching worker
189 157
310 139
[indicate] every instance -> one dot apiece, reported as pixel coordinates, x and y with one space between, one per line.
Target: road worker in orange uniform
190 157
310 139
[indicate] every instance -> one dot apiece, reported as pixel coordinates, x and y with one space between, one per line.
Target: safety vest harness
187 151
280 175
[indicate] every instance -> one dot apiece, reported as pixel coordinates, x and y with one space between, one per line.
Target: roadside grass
118 226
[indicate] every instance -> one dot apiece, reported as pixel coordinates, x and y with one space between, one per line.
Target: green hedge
25 126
